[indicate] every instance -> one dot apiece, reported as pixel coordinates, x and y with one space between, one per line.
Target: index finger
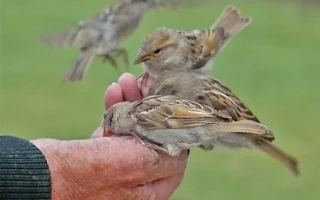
129 87
113 95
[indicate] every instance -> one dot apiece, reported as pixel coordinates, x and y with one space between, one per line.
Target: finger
113 95
163 188
129 87
150 165
133 164
167 166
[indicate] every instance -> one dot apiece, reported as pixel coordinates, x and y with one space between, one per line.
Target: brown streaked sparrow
171 124
169 49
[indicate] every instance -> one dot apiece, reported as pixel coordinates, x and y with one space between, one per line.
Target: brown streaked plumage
204 90
172 124
210 92
169 49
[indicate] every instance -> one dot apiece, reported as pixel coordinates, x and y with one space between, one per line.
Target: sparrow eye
111 117
157 51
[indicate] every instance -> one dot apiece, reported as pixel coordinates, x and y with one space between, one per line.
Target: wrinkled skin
111 167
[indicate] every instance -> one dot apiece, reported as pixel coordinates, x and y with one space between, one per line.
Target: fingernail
109 87
126 75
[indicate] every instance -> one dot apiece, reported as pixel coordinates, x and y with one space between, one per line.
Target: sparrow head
158 46
117 120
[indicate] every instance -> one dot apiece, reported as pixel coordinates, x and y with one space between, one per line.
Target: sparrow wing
163 112
206 43
224 100
63 39
202 44
83 34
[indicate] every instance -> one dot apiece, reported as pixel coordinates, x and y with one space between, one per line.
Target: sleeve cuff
24 172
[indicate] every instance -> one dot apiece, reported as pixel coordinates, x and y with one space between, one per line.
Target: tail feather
80 66
232 22
246 127
290 162
259 135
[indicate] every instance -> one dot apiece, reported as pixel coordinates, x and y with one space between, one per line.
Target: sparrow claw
141 75
111 60
124 54
126 59
153 146
144 80
152 149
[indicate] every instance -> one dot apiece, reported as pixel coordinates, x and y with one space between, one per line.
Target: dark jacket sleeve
24 172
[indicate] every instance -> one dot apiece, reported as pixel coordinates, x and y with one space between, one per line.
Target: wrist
75 169
60 170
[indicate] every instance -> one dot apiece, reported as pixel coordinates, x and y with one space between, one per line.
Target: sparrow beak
142 58
107 133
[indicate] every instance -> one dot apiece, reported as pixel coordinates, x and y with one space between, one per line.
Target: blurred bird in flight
101 35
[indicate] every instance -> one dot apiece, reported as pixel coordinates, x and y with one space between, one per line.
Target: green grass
273 66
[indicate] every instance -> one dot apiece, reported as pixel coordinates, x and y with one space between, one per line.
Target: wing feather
158 112
223 99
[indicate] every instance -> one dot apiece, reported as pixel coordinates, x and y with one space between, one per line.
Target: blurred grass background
273 66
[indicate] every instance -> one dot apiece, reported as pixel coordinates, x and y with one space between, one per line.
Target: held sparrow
101 35
169 49
171 124
210 92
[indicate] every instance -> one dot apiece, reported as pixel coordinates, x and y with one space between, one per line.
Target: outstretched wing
85 33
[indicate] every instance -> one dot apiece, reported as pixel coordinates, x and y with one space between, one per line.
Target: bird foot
124 54
111 60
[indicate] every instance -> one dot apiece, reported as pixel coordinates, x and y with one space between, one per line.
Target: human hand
111 167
